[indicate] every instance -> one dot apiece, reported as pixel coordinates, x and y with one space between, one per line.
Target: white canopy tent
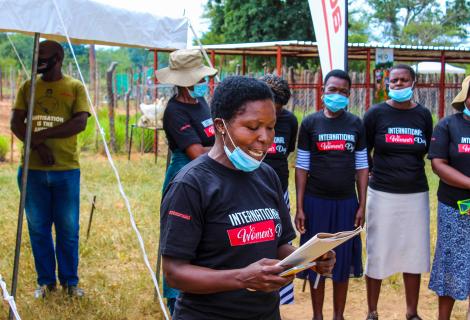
435 67
92 22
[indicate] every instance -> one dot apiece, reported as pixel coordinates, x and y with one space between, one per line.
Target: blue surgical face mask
239 158
335 101
465 110
199 90
401 95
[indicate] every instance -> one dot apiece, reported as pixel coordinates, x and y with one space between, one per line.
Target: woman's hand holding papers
263 275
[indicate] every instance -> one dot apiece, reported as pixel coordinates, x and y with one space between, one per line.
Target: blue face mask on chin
199 90
335 102
239 158
401 95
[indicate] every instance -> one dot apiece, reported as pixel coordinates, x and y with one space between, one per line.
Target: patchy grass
112 271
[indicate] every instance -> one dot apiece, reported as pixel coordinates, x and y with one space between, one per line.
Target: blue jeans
53 197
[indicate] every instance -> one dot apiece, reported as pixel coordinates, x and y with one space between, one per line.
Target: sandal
413 317
372 316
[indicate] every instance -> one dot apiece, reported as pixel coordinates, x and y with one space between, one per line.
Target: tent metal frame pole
442 86
346 63
368 80
24 177
279 61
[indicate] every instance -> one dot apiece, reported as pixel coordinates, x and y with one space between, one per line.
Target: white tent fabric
92 21
435 67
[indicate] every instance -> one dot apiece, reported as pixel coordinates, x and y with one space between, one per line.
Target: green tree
258 20
421 22
24 46
457 19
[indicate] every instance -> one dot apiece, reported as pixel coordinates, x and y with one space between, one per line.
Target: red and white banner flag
329 22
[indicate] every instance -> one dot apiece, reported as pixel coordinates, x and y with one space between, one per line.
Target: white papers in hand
317 246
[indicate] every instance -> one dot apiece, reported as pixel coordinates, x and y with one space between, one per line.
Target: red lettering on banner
253 233
333 3
464 148
400 138
337 21
272 148
209 131
179 215
334 145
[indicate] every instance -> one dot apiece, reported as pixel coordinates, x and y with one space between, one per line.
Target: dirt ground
5 109
391 303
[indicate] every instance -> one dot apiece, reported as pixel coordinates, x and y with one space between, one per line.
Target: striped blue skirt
326 215
286 293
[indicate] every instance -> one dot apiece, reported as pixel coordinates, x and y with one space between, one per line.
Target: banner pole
24 177
346 64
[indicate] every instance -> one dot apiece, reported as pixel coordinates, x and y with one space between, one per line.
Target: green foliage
255 20
3 147
358 25
24 45
457 18
421 22
90 139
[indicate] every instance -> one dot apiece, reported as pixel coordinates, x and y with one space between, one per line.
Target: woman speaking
223 218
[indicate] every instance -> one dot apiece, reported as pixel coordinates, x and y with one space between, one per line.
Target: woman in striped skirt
284 143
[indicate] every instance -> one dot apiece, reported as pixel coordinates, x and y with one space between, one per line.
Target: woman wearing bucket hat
450 158
187 121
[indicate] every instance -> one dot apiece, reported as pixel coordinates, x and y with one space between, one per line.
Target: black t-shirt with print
399 140
222 219
186 124
332 143
451 141
284 143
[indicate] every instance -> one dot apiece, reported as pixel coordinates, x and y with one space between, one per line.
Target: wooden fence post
109 83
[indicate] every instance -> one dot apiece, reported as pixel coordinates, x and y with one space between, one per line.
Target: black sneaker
44 290
74 291
373 316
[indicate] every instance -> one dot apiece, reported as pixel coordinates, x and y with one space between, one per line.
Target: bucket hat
458 102
185 69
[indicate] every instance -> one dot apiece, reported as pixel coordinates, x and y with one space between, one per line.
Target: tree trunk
111 103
